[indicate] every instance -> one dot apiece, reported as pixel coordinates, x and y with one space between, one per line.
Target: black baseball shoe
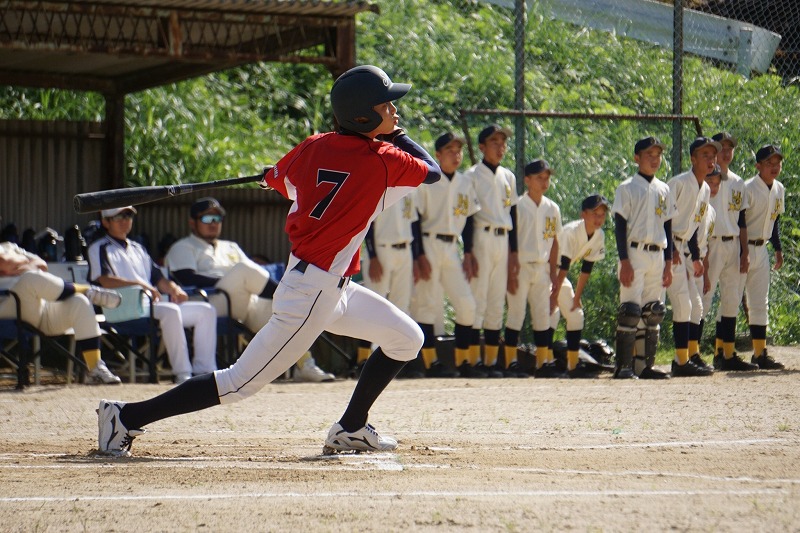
583 372
549 370
765 362
651 373
490 372
466 370
513 371
689 370
734 364
624 373
438 370
698 360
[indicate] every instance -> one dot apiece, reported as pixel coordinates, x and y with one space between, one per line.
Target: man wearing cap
580 240
728 256
116 261
443 209
643 210
765 198
691 202
537 225
202 259
489 253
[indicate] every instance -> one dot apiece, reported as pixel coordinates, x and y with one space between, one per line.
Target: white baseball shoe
101 374
365 439
310 372
104 297
113 438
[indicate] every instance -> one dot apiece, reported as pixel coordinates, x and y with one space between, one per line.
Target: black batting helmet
357 91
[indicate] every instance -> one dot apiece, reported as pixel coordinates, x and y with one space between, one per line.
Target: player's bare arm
423 266
625 272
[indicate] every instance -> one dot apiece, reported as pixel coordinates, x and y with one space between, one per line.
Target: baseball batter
339 182
765 197
691 195
643 210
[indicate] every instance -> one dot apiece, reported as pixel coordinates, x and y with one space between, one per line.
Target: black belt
646 247
397 246
496 231
726 238
757 242
442 237
675 237
301 266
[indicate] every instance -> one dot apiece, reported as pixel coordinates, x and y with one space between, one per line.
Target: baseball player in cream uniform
496 190
443 208
728 257
643 210
538 225
691 200
765 196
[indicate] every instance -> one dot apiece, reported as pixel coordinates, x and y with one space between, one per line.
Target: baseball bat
99 200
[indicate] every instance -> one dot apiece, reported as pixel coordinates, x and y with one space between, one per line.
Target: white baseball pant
757 285
648 268
202 318
723 270
243 283
398 275
678 291
489 286
448 279
575 319
534 290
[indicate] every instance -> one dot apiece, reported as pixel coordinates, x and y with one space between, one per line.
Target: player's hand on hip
625 273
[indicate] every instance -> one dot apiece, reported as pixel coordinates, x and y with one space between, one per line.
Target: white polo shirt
194 253
575 244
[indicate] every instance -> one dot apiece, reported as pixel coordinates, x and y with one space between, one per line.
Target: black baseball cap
701 142
447 138
767 151
204 204
490 130
725 136
594 201
536 166
647 142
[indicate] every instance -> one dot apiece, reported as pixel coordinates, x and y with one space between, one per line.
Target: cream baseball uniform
704 231
537 229
646 206
443 210
765 204
496 192
575 244
691 202
724 247
392 240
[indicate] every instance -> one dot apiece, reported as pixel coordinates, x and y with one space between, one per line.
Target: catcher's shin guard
627 319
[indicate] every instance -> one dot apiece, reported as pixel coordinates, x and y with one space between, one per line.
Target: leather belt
645 246
496 231
676 238
397 246
301 266
725 238
442 237
757 242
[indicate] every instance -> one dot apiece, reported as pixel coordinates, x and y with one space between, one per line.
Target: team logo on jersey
736 201
549 228
698 216
507 201
407 208
462 206
711 229
777 210
661 208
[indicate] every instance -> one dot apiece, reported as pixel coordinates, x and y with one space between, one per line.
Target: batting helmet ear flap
357 91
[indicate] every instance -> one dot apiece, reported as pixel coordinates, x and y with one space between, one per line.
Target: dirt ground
688 454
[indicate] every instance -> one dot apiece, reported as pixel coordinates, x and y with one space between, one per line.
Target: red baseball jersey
339 183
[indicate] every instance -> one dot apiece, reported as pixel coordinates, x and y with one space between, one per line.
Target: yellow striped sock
550 356
759 345
511 355
727 349
474 354
490 355
682 355
541 356
572 359
694 347
461 356
428 356
92 357
718 343
363 354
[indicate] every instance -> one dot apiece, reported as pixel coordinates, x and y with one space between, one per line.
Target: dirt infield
689 454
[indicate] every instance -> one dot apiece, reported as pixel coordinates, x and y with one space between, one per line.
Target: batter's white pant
678 291
37 293
447 279
243 283
723 270
489 286
398 275
305 305
534 290
202 318
757 285
575 319
648 269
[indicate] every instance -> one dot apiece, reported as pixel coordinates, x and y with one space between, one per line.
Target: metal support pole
677 84
519 91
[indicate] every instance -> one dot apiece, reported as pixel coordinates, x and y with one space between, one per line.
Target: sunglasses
210 219
127 215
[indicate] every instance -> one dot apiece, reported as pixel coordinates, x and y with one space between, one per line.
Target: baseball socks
378 372
195 394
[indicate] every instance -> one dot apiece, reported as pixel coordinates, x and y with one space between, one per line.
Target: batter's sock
378 372
90 350
192 395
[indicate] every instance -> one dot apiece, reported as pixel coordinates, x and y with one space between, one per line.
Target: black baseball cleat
698 360
651 373
733 364
513 371
489 371
466 370
583 372
438 370
765 362
549 370
624 373
689 370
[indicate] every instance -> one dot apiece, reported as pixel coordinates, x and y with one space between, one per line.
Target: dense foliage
459 55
